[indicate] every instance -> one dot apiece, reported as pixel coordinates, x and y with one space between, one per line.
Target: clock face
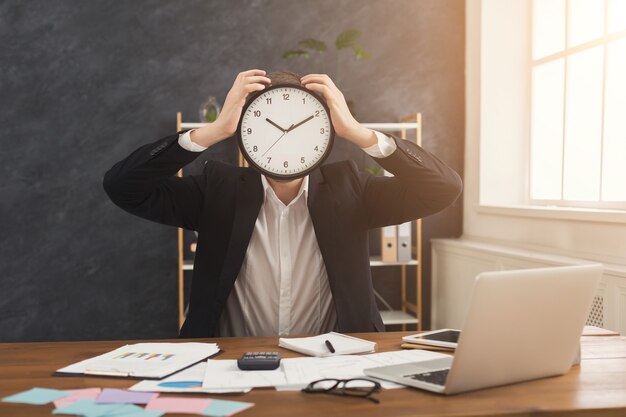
285 131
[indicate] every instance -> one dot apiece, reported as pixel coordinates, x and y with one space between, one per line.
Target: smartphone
444 338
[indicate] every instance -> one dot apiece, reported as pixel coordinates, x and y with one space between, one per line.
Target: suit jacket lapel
322 207
249 199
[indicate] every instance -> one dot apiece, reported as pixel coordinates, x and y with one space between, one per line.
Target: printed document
296 373
187 380
144 360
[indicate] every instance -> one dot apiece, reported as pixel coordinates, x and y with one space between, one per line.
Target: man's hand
345 125
226 124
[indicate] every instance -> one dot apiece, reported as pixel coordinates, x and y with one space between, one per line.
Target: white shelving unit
374 262
394 317
409 313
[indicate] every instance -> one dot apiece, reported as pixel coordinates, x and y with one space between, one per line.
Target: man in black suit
279 257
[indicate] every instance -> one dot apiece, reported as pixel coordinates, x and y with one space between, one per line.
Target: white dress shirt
282 287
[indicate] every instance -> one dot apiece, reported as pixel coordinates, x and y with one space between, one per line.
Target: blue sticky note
37 396
125 410
144 413
88 408
221 408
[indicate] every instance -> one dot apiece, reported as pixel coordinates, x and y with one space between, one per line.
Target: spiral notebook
316 345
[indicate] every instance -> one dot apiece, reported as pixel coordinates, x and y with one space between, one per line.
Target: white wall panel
457 262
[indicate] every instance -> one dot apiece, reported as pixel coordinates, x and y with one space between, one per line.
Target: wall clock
285 131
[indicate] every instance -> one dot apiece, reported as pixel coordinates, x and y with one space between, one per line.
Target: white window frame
564 54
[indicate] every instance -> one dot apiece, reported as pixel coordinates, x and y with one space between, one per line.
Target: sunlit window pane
617 15
586 21
583 120
578 102
548 27
547 131
614 149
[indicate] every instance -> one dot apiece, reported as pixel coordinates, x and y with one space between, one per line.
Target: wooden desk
596 388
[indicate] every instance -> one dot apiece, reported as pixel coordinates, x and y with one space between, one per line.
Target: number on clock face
285 131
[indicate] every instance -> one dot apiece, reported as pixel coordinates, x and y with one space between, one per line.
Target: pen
330 346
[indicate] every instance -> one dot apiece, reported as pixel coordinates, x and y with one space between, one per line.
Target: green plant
346 40
210 116
375 170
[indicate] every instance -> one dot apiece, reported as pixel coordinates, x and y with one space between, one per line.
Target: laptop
521 325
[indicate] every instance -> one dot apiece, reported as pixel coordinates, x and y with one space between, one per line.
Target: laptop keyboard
434 377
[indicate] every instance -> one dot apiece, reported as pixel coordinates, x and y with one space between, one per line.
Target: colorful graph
145 356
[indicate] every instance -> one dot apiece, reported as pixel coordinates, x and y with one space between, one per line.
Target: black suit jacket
222 205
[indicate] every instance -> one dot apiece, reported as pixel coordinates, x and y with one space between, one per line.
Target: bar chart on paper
145 356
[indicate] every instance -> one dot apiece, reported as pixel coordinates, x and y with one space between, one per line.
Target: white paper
225 374
297 373
316 345
403 356
302 371
188 380
148 360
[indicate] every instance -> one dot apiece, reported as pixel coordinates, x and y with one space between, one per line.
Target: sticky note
36 396
183 405
143 413
87 408
124 410
223 408
77 394
116 396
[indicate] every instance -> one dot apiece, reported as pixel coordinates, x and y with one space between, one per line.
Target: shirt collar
304 188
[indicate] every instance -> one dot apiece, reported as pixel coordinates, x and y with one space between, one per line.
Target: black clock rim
331 139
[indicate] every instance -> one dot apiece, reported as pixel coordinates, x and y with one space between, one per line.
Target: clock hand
301 123
284 133
274 124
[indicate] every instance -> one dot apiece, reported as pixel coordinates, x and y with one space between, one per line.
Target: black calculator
259 361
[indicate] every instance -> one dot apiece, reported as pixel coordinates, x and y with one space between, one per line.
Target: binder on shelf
389 244
404 242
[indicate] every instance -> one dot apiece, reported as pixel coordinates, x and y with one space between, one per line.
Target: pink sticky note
78 394
184 405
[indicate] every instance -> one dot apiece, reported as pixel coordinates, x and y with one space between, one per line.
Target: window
578 103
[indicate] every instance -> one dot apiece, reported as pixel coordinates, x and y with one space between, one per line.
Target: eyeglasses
356 387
